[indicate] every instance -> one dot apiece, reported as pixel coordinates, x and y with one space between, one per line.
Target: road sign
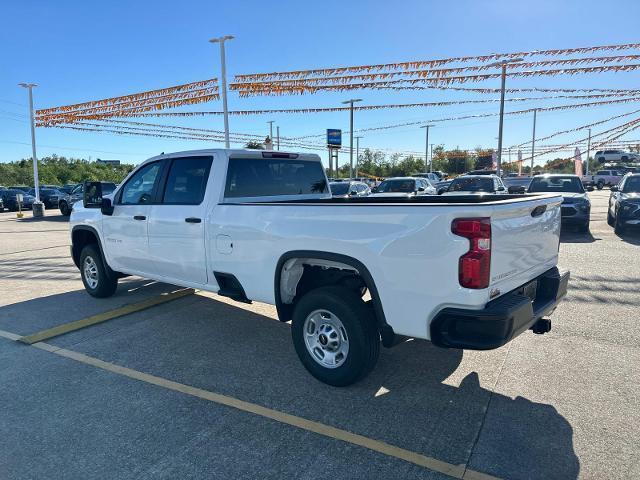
334 138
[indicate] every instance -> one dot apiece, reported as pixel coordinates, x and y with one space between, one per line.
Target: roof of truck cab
231 151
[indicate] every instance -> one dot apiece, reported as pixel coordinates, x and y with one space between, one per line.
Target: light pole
270 122
426 148
431 157
357 153
223 74
36 183
588 151
533 140
502 64
278 136
350 103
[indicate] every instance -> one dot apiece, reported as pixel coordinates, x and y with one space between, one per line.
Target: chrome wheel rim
326 338
90 269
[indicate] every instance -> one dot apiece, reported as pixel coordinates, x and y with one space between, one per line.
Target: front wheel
610 220
335 336
600 185
618 227
64 209
96 281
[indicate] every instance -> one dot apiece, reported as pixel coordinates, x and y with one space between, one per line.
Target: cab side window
187 181
139 188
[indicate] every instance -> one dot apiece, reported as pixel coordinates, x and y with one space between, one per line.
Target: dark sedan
48 196
10 199
576 207
624 203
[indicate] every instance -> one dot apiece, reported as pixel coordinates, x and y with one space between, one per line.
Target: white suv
604 156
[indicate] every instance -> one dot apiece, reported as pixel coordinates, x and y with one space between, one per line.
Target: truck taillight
474 267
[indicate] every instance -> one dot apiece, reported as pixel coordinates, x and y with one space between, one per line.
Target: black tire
610 220
618 227
600 185
360 331
102 285
64 209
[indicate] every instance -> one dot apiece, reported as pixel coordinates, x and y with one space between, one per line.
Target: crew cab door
125 231
177 220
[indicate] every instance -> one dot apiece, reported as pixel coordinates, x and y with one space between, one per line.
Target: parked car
10 199
624 203
604 156
349 189
404 186
576 206
48 196
476 185
518 184
443 186
482 172
603 178
1 205
22 188
66 203
251 225
68 187
432 177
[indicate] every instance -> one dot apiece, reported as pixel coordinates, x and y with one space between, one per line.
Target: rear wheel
96 281
600 185
335 336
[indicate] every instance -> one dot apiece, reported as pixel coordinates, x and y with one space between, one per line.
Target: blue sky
79 51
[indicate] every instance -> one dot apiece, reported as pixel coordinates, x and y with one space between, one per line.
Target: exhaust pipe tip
541 326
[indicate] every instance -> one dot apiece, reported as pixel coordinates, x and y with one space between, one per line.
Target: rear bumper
502 319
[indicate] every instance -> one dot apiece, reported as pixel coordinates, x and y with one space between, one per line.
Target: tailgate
525 237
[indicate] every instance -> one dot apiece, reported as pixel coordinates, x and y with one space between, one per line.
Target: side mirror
501 189
107 207
614 188
590 188
420 189
92 197
374 190
516 189
353 193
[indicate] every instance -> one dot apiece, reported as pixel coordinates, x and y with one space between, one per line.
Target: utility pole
588 151
503 77
533 140
350 103
270 122
357 153
36 182
223 74
426 146
278 135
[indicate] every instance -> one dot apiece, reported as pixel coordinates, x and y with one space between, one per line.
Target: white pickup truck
468 272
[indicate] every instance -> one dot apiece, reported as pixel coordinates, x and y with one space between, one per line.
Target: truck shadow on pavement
572 236
419 397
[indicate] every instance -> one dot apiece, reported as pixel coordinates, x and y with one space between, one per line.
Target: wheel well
300 272
80 238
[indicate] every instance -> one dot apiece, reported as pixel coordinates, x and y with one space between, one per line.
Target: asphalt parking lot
203 387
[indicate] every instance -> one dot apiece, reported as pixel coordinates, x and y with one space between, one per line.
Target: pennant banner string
436 62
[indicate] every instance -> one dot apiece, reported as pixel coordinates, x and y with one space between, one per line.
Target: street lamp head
425 126
505 62
353 100
221 39
27 85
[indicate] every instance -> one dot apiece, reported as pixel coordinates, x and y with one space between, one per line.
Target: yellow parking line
103 317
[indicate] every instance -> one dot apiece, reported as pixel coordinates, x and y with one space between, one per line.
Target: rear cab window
274 177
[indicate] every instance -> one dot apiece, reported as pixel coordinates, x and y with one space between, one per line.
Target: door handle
139 217
192 220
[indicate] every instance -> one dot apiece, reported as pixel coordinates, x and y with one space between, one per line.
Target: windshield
556 184
471 184
397 186
632 185
339 188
